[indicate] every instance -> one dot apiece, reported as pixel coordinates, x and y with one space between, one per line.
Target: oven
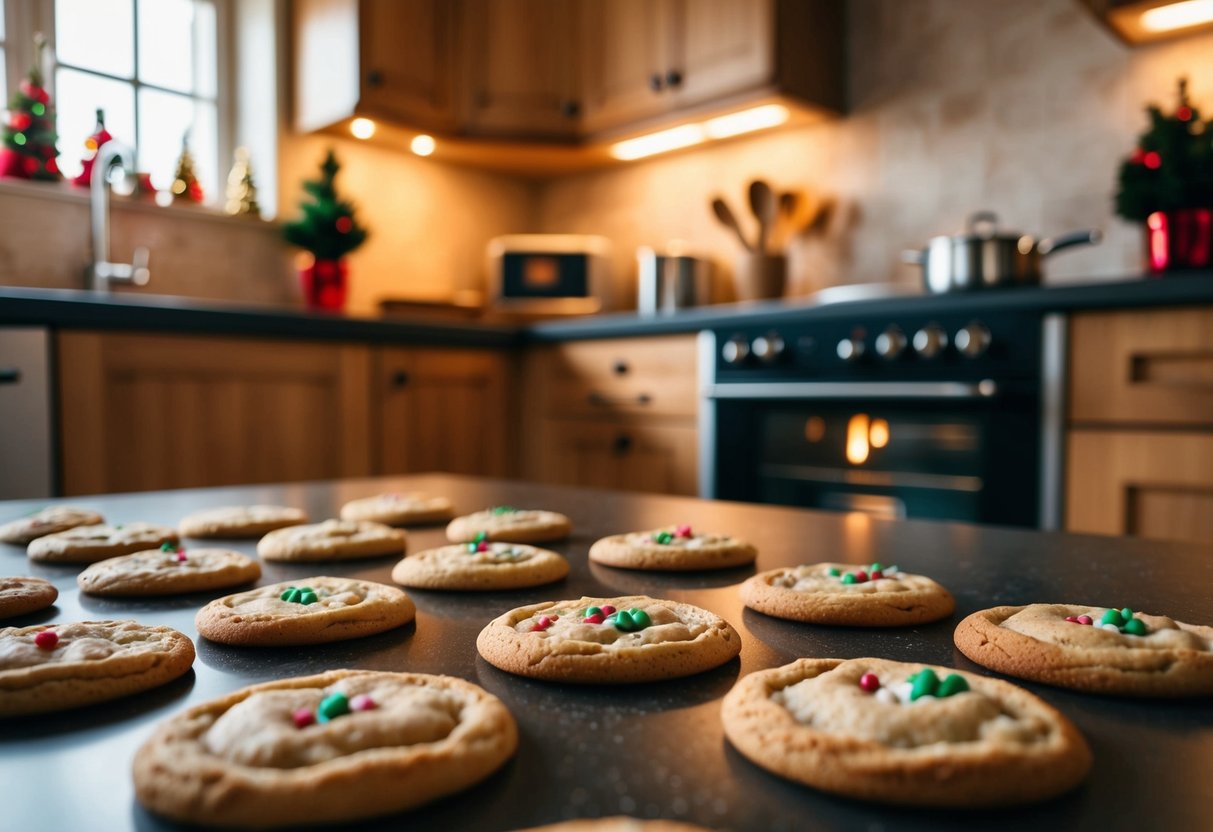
934 416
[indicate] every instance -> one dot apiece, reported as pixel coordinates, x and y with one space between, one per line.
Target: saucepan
986 256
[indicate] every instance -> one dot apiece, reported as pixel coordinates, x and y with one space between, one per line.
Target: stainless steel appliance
907 415
26 460
670 280
550 274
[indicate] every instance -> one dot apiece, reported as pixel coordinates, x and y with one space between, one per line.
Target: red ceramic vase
1181 239
324 284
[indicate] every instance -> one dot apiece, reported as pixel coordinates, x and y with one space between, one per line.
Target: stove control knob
735 350
890 343
973 340
767 348
930 341
850 349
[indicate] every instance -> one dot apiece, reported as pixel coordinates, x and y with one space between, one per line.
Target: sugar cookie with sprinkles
332 540
510 525
89 544
1093 649
480 565
328 749
170 570
891 732
873 595
675 548
397 509
608 640
47 521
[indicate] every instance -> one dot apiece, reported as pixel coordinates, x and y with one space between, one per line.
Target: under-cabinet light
746 121
362 128
423 145
1177 15
660 142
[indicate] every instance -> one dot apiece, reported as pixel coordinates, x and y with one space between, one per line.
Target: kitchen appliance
550 274
905 414
671 280
26 455
986 256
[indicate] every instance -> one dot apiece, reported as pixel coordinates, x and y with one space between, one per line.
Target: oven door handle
806 390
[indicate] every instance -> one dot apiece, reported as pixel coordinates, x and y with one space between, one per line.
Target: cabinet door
518 67
634 376
141 412
629 456
407 61
444 410
1148 483
625 58
721 47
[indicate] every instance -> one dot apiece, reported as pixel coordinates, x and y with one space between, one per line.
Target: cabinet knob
656 82
374 78
621 368
673 79
571 109
622 444
400 379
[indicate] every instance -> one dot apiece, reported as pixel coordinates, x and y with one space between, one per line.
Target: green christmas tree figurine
241 193
327 228
186 186
29 136
1172 166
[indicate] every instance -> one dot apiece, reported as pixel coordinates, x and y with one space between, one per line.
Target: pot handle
914 256
1074 238
983 224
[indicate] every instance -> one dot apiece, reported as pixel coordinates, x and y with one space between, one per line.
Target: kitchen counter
655 749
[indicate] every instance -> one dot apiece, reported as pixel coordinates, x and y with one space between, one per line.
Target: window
3 58
152 66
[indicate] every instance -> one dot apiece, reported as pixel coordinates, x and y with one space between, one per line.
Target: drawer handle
620 368
400 379
599 400
10 375
621 445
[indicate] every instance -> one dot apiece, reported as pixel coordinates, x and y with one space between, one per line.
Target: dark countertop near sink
69 309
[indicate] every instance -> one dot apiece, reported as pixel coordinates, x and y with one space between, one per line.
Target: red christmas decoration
91 145
29 136
1153 160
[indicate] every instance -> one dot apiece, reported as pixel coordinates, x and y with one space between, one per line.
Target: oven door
949 451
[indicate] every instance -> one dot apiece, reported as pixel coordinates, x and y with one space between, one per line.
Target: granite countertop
643 749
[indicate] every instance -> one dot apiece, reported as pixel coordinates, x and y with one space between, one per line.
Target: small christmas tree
1172 166
328 228
29 137
185 183
91 145
241 195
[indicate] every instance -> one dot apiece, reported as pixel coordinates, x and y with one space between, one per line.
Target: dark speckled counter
652 749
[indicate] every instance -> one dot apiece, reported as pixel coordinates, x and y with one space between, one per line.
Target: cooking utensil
785 227
729 220
764 208
672 279
985 257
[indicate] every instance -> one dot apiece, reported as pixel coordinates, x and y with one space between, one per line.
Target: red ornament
1137 156
345 225
1184 113
1152 160
52 166
21 121
324 284
37 93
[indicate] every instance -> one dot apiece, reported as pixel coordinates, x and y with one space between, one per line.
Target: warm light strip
423 145
1177 15
746 121
666 140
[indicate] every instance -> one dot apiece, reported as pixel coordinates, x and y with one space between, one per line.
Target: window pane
166 44
164 119
96 34
1 30
3 79
79 96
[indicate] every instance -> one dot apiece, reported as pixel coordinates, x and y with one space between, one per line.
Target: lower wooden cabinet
621 455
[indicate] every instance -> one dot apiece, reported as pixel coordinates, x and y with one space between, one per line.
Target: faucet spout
101 272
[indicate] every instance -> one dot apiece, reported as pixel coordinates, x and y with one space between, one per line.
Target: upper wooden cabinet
407 61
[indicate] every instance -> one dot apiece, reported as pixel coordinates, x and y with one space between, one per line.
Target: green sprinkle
1134 627
623 621
875 567
480 537
833 572
167 547
592 611
848 578
663 538
287 593
952 685
1126 614
640 618
332 706
1112 617
503 509
924 683
307 596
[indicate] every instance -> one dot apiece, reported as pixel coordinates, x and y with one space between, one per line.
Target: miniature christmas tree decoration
186 186
241 195
29 136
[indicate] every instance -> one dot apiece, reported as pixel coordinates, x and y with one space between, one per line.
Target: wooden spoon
729 220
762 203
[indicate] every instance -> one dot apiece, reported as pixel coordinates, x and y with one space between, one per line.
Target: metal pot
985 257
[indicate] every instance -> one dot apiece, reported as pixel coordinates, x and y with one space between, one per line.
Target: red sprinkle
1073 619
593 619
869 682
180 556
682 531
362 702
303 717
1085 619
482 546
47 639
542 623
861 577
607 610
876 575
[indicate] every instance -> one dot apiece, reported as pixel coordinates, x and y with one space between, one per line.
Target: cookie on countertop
240 522
1093 649
945 738
332 540
53 667
89 544
510 525
306 611
842 594
19 596
480 565
169 570
47 521
608 640
395 509
675 548
338 747
619 823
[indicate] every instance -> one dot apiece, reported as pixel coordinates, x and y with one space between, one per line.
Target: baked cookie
1092 649
306 611
169 570
332 540
608 640
835 593
89 544
240 522
480 565
618 824
19 596
53 667
860 729
338 747
512 525
412 509
676 548
47 521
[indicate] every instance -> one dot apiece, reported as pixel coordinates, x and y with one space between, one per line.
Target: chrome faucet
101 272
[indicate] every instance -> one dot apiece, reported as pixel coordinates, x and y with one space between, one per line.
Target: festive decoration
869 682
1180 239
543 622
186 186
241 194
479 543
332 706
29 137
926 683
664 538
92 145
861 576
46 640
299 595
500 510
176 550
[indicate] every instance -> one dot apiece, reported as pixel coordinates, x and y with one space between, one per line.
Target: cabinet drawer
1142 367
628 455
653 376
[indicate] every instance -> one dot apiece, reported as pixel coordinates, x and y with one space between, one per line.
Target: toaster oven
550 274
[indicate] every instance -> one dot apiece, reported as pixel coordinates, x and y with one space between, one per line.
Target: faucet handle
140 274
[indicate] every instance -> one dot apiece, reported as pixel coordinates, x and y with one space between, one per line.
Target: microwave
550 274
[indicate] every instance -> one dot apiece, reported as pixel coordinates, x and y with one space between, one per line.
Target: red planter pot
1182 239
324 284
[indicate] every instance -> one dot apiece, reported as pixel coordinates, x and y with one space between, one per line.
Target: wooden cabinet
626 57
1140 447
407 61
720 48
614 414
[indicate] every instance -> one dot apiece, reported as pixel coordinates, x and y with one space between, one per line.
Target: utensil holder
760 276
